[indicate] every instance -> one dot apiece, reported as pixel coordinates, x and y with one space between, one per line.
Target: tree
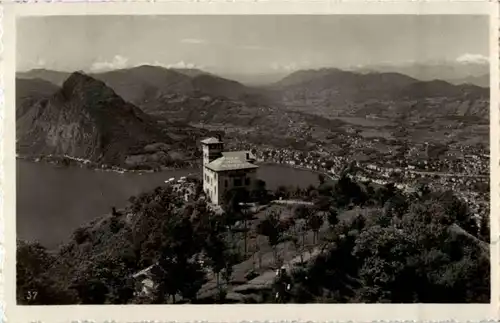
298 247
36 279
270 227
246 215
332 217
260 193
231 258
195 278
386 192
329 164
457 211
234 204
323 203
179 271
302 231
282 192
298 192
383 252
484 228
423 190
302 212
233 200
81 235
216 250
91 290
346 191
168 277
282 286
314 222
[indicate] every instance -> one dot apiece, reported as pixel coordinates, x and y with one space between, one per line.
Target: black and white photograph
252 159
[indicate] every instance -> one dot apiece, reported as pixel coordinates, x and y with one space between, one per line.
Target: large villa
225 170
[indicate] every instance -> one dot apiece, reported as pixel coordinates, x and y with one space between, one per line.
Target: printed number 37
31 295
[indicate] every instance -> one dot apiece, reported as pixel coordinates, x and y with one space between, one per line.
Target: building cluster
465 169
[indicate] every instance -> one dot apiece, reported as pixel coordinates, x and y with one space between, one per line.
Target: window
225 183
237 182
247 181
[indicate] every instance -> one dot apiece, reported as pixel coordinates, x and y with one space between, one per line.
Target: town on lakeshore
238 162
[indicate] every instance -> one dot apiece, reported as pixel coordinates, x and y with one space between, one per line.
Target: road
448 174
292 202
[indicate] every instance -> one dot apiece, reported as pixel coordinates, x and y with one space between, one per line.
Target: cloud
180 64
193 41
291 67
183 64
473 58
284 67
40 62
118 62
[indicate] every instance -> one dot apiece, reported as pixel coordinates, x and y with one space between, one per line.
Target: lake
53 201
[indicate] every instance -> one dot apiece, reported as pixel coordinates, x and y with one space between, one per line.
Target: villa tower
223 171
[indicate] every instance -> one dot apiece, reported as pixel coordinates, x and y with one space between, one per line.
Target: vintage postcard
250 161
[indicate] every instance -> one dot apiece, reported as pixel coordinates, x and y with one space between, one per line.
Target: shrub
81 235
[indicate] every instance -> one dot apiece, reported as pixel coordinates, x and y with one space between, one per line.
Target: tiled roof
211 140
233 160
240 154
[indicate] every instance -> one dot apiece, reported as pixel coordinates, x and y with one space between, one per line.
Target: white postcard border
236 313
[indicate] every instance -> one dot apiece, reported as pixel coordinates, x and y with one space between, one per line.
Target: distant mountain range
453 72
126 117
181 94
142 83
31 91
383 94
191 95
354 86
482 80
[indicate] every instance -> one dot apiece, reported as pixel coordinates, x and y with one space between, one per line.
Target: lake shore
68 161
53 201
81 163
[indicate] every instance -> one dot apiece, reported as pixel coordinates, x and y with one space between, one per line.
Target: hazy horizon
248 45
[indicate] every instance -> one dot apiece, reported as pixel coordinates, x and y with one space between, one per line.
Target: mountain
87 119
481 80
196 97
30 91
390 94
448 71
142 84
256 79
54 77
191 72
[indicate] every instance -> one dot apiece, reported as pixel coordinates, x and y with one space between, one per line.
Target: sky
247 44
